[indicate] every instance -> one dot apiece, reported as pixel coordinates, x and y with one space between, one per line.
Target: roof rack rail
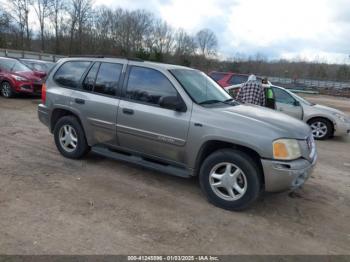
102 56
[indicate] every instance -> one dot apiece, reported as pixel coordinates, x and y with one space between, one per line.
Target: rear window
7 64
70 73
217 76
238 79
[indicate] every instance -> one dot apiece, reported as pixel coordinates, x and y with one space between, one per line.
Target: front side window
70 73
201 88
148 85
108 78
283 97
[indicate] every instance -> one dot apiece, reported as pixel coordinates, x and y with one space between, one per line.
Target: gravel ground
53 205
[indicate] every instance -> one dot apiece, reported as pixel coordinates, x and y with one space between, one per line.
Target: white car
324 121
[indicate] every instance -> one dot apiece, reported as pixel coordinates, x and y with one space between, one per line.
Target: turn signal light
43 93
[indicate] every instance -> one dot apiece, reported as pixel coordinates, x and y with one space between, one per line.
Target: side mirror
296 103
173 103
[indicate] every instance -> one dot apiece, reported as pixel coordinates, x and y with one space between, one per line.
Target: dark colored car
38 65
15 77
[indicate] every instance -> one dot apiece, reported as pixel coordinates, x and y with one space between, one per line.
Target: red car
15 78
226 79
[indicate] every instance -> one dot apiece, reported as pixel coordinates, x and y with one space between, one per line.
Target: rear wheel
6 90
230 179
321 128
70 138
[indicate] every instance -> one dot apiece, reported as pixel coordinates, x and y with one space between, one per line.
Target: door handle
79 101
128 111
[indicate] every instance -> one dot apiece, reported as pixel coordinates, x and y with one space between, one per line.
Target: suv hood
282 124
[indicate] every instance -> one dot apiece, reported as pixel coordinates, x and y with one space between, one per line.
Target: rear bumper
286 175
44 115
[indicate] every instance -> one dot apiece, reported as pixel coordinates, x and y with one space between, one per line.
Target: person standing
252 92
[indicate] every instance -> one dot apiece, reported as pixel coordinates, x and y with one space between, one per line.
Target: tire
68 132
6 90
322 128
249 179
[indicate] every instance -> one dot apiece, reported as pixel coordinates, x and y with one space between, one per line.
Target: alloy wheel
228 181
68 138
319 129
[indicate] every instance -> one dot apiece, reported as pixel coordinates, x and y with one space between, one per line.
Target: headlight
340 117
286 149
19 78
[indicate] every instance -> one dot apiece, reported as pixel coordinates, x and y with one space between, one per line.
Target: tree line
76 27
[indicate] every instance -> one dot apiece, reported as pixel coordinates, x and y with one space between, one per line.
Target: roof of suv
125 60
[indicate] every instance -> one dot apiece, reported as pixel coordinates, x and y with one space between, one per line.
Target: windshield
19 67
201 88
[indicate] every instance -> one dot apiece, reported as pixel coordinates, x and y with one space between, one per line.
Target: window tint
282 96
70 73
89 80
238 79
108 78
148 85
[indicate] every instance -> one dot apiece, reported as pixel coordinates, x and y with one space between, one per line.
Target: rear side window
238 79
148 85
70 73
108 78
89 81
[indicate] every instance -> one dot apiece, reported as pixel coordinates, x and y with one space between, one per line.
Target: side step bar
169 169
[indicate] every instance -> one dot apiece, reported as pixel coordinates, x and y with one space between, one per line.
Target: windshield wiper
213 101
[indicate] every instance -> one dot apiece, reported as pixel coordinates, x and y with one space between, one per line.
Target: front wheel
230 179
321 128
6 90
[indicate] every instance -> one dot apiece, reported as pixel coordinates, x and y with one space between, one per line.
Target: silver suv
175 120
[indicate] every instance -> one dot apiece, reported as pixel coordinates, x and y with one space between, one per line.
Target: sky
291 29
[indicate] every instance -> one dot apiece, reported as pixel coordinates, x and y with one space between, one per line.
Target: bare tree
19 10
207 42
43 9
79 12
185 44
58 8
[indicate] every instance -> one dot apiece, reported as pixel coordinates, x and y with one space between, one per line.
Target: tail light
43 93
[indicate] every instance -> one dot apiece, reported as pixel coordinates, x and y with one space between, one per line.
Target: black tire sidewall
327 123
82 146
244 162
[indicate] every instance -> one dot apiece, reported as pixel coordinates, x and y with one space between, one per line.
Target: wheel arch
213 145
58 113
322 117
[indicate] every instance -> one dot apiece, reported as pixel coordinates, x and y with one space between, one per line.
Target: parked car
324 121
15 77
38 65
229 79
175 120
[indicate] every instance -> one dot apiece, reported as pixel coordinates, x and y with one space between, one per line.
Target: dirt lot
52 205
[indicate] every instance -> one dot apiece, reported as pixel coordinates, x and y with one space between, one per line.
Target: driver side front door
285 103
